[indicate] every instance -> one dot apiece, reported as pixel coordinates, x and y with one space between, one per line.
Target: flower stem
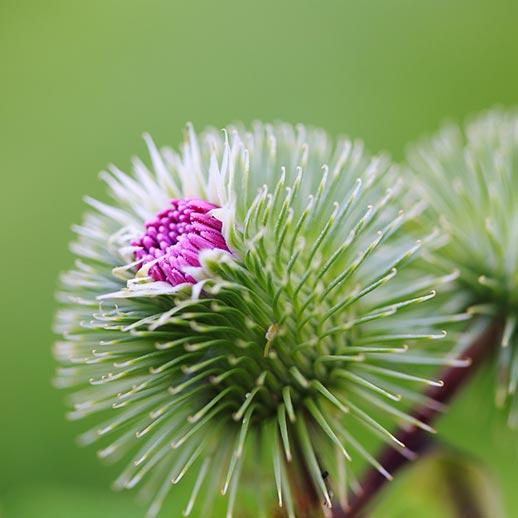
306 499
416 439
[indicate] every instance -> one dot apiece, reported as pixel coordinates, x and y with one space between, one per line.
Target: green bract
470 179
312 321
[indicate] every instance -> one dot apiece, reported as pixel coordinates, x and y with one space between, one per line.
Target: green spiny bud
470 179
238 305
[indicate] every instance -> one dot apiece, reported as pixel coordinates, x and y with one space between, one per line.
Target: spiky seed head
470 179
238 305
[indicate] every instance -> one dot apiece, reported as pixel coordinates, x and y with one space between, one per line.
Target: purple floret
176 236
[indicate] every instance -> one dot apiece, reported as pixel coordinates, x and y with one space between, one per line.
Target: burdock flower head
470 178
238 306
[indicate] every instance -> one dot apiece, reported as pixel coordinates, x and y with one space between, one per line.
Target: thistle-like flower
470 179
238 306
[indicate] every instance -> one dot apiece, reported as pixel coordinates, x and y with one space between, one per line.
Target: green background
81 80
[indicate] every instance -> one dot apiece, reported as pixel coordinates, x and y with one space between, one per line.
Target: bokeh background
79 83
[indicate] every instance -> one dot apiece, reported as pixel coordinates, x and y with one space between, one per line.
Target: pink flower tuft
175 237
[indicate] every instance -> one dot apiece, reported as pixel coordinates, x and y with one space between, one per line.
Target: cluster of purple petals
175 237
